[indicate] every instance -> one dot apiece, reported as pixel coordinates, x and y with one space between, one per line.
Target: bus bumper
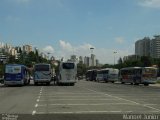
42 81
67 81
13 83
149 82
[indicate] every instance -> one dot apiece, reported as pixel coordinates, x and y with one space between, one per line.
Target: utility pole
114 56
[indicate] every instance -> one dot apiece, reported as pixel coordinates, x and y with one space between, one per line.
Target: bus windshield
41 67
68 65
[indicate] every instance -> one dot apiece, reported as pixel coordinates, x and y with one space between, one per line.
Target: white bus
107 75
42 73
138 75
67 73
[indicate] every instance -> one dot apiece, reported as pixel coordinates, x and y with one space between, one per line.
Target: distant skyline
66 27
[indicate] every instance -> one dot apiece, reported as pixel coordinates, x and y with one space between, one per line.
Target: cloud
65 45
104 55
150 3
48 49
119 40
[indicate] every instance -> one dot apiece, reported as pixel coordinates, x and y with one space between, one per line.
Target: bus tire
146 84
28 82
112 81
72 84
136 83
122 82
48 83
35 83
59 84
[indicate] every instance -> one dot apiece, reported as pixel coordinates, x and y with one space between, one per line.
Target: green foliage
81 69
144 61
1 70
27 59
158 81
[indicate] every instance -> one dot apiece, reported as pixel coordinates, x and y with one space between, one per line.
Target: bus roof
129 68
109 69
15 65
92 70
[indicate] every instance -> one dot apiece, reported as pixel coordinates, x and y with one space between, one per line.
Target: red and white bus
138 75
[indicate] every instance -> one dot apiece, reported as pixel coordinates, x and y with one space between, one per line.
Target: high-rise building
142 47
155 47
1 44
80 59
93 60
27 48
97 62
19 49
3 58
87 61
131 57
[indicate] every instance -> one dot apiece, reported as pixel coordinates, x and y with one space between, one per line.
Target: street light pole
114 56
91 50
48 55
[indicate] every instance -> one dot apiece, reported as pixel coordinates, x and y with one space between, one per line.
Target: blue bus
16 74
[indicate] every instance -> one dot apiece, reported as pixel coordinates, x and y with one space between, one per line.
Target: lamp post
114 56
48 55
91 50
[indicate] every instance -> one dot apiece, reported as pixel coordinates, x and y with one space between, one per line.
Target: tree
146 61
120 61
81 69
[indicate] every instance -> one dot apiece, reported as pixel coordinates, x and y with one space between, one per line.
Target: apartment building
155 47
142 47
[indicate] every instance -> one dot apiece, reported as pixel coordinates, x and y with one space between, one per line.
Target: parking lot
85 98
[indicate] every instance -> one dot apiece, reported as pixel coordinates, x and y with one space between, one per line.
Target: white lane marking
100 104
77 99
34 112
39 97
79 112
67 93
37 100
149 104
75 96
158 110
36 105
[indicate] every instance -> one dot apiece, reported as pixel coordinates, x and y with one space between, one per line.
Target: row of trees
27 59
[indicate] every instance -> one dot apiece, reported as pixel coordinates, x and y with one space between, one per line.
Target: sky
66 27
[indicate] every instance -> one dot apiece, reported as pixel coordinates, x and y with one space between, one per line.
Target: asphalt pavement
86 100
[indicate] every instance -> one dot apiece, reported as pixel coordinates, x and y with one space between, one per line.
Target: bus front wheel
35 83
146 84
72 84
48 83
